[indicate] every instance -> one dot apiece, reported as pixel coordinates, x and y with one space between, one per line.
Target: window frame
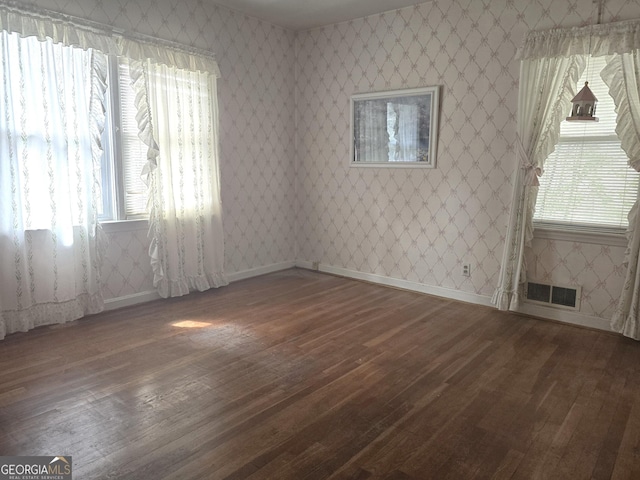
430 94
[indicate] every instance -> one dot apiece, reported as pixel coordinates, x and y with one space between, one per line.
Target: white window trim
614 237
118 226
116 142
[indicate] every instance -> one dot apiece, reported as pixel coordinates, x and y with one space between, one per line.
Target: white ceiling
304 14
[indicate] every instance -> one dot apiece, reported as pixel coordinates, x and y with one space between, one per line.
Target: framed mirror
396 128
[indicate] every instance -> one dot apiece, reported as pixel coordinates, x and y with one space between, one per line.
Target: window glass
125 155
587 180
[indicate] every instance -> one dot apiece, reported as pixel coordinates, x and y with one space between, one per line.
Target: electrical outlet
315 266
466 270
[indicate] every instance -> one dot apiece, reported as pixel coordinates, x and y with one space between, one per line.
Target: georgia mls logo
36 468
60 466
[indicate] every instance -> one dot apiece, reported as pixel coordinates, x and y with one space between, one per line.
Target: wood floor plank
302 375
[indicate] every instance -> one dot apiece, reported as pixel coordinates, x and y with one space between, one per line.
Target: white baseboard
540 311
128 300
255 272
304 264
142 297
404 284
564 316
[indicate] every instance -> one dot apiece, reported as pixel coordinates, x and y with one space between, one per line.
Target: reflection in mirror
395 128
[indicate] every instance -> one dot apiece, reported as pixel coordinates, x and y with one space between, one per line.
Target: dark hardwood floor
300 375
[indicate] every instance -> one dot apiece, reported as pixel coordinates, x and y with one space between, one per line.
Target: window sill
118 226
580 235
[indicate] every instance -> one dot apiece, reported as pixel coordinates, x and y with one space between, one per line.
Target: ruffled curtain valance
597 40
165 54
72 31
58 28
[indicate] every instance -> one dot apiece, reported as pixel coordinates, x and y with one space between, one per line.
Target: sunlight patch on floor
191 324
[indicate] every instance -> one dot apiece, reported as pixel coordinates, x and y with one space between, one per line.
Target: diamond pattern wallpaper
288 192
597 269
422 225
127 270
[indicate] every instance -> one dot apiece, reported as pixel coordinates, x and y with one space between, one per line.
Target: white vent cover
557 296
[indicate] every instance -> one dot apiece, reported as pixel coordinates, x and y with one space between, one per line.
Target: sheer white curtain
622 75
51 119
178 120
407 149
373 137
546 88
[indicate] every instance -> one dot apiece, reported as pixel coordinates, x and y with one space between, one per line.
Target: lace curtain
546 88
178 120
50 125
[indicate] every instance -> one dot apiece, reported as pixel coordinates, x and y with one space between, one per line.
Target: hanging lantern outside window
584 106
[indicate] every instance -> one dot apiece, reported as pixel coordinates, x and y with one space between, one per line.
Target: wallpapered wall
286 183
420 224
597 268
257 134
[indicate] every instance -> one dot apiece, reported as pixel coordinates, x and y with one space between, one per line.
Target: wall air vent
556 296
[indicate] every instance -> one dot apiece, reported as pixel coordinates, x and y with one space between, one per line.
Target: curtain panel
547 86
622 75
373 138
407 132
50 242
178 121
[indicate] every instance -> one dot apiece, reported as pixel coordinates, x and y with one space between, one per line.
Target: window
124 193
587 181
45 138
47 132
